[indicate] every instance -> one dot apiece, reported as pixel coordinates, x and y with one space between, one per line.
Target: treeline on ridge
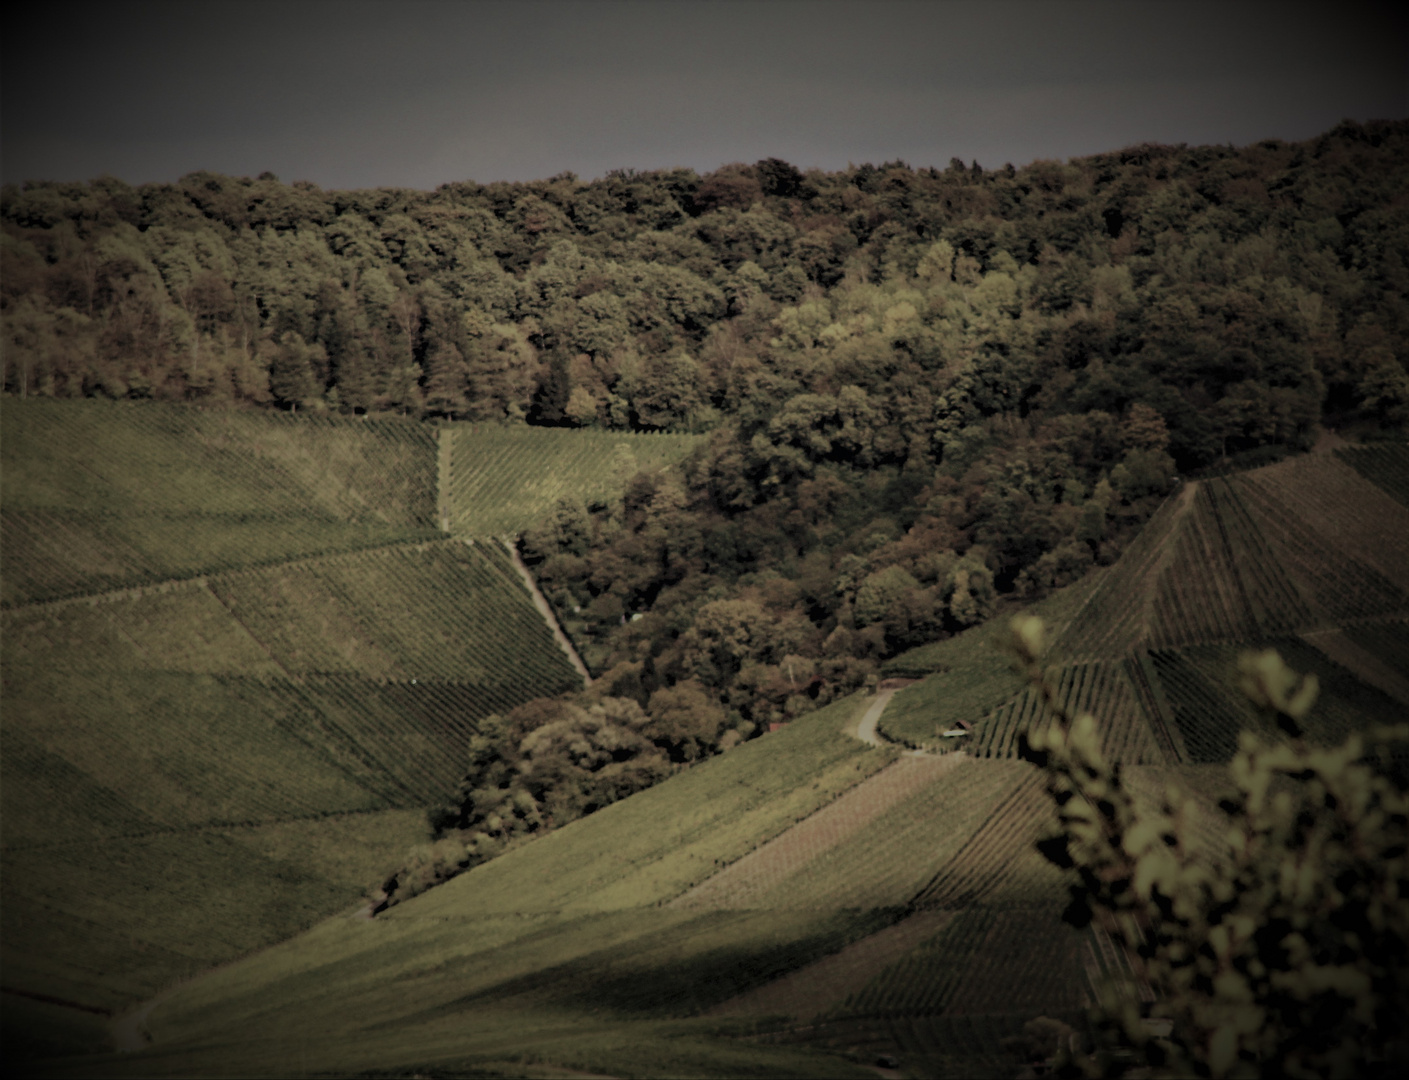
924 389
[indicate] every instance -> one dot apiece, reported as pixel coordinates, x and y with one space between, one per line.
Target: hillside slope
240 661
1309 556
805 889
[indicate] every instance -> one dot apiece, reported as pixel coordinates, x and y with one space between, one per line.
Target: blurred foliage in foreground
1287 954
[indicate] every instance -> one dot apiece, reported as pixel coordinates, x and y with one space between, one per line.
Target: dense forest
924 390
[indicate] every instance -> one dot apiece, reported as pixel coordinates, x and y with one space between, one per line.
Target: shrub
1287 955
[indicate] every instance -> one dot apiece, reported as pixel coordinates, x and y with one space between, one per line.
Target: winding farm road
866 729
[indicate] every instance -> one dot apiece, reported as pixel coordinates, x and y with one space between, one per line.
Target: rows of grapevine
444 610
1207 716
1113 620
108 457
109 922
179 750
964 1046
501 480
58 554
1385 464
912 845
775 874
997 863
101 496
919 715
987 960
1354 518
662 842
1101 688
1210 711
1222 583
1387 640
1339 580
407 742
822 987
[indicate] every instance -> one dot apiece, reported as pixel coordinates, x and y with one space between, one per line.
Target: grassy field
501 480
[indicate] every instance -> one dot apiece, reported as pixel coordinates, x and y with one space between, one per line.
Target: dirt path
545 609
866 729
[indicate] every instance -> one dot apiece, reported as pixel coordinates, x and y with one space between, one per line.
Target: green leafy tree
291 370
1286 955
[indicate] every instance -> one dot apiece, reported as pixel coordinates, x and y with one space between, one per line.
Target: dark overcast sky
365 94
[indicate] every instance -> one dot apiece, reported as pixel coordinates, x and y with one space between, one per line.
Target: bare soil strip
825 984
1364 665
742 883
545 609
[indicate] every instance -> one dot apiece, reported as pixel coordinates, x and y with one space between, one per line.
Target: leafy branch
1283 954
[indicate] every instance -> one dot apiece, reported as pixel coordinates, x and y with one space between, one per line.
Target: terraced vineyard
153 725
240 660
1385 464
104 495
1304 547
284 722
501 480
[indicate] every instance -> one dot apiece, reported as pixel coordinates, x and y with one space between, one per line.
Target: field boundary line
1187 497
443 463
248 632
202 578
545 609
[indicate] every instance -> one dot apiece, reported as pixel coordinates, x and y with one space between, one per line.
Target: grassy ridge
503 480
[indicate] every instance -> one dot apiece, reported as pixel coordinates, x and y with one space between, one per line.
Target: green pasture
501 480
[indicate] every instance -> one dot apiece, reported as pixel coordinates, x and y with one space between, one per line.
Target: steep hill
805 891
1307 556
240 662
